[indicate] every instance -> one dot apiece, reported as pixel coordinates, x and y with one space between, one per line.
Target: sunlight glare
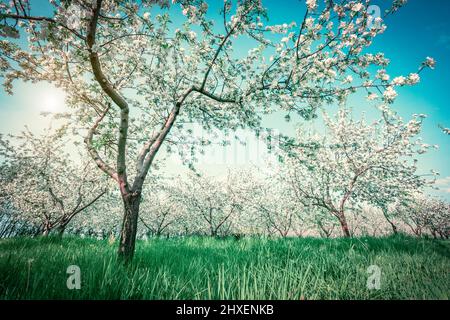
52 100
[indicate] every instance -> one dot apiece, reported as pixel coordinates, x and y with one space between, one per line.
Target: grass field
205 268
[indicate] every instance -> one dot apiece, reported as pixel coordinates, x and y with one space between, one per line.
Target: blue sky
419 29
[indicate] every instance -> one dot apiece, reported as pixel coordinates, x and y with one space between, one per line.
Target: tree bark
128 233
325 231
46 229
393 226
344 225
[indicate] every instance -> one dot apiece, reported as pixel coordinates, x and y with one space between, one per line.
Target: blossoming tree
356 162
268 203
209 204
102 219
134 80
40 181
161 214
426 215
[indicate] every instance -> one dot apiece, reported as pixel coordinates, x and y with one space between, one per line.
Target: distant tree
161 213
209 203
321 219
41 182
272 206
425 214
102 218
10 222
439 223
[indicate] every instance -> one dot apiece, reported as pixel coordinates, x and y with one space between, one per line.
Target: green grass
205 268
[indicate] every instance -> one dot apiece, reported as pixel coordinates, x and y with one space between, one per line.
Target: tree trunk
46 230
325 231
128 233
344 225
394 227
62 229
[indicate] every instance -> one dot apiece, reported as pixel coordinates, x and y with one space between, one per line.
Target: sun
52 100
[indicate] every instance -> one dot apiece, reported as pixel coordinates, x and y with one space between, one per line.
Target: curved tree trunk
128 233
393 226
46 229
344 224
340 212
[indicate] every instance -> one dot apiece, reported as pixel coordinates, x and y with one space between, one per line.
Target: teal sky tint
419 29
